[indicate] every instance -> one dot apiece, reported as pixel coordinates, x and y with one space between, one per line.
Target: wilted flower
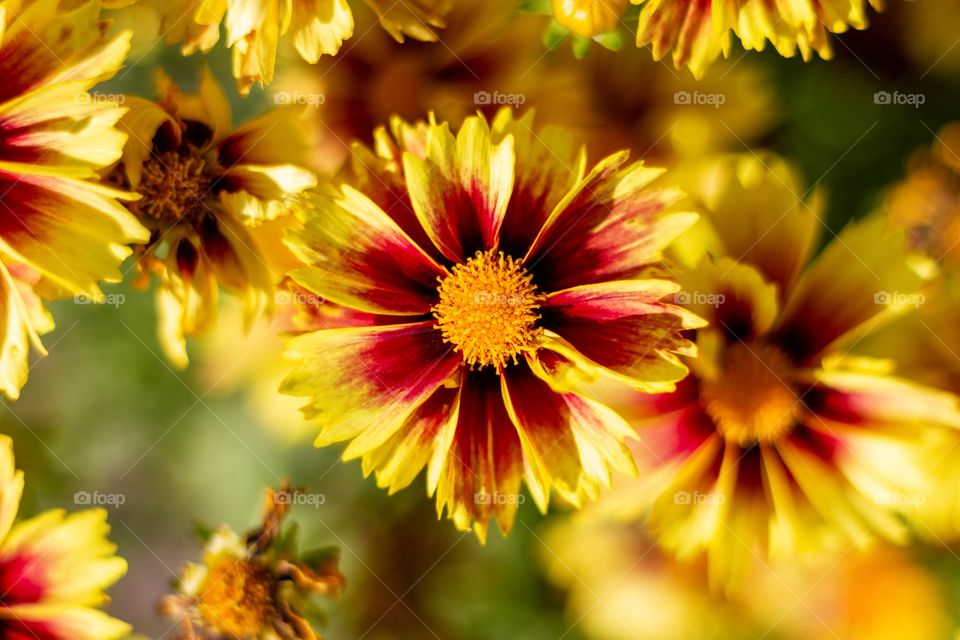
488 272
259 587
203 186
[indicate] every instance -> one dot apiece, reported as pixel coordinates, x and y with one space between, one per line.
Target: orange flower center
237 597
173 186
488 309
750 400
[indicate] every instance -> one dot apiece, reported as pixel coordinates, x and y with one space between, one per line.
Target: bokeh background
104 412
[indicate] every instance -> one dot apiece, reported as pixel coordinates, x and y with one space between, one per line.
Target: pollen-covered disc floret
238 597
173 186
488 309
750 400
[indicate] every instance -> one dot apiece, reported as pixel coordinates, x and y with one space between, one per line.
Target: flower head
54 568
63 230
256 587
203 186
488 274
698 31
781 441
254 29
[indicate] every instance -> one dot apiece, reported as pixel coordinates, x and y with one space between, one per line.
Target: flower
589 18
489 273
315 28
256 587
699 31
63 231
203 187
781 441
54 568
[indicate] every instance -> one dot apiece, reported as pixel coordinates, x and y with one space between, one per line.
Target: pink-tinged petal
863 275
59 622
548 166
461 189
359 257
871 399
482 458
609 227
363 383
624 327
570 442
398 460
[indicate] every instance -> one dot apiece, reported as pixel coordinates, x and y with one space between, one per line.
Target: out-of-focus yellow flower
492 270
259 587
698 31
622 587
926 204
54 568
314 27
589 18
928 33
781 442
63 231
203 186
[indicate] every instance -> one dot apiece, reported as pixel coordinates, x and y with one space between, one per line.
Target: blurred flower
781 442
546 274
698 32
589 18
928 34
926 204
258 587
622 587
315 29
63 231
54 568
203 187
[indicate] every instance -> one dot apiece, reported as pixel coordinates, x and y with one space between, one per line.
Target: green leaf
612 40
536 7
554 35
581 47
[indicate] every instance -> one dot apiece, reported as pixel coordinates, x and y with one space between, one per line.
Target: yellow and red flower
488 273
203 187
63 232
314 28
698 31
54 568
258 587
782 442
